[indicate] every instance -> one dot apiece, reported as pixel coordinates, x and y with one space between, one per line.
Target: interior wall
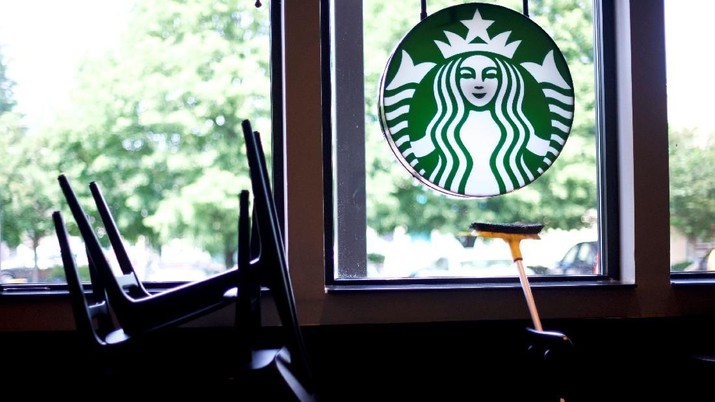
611 360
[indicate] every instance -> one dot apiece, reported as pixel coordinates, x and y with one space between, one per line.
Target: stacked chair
108 344
120 310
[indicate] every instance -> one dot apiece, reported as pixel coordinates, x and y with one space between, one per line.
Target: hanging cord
526 8
423 13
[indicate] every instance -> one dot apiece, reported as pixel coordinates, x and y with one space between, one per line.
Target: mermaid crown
477 28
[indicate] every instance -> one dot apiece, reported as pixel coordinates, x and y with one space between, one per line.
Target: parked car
580 259
15 275
707 262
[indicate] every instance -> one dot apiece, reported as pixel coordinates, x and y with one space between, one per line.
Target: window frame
345 208
639 155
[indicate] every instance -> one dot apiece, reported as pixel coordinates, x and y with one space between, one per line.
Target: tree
7 98
29 183
157 122
692 184
26 199
6 105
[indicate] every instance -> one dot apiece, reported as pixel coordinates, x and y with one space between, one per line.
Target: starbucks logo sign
476 101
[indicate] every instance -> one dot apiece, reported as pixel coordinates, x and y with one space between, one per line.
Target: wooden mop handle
529 297
513 234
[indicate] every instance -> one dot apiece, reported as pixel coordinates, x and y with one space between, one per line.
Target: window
691 131
632 201
146 98
390 227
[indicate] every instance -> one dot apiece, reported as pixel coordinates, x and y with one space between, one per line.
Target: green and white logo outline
446 130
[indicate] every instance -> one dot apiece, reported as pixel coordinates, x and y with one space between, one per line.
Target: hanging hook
526 8
423 13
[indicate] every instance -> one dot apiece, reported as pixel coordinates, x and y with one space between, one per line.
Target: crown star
477 28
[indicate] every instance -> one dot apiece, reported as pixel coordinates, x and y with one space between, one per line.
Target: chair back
93 317
129 278
272 259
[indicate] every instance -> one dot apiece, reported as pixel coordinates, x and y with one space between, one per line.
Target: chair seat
136 309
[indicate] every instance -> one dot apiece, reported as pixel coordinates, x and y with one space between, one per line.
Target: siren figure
480 131
471 119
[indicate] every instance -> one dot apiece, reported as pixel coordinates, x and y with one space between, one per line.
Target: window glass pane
691 131
414 231
144 97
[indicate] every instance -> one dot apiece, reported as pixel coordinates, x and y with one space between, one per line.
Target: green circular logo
476 101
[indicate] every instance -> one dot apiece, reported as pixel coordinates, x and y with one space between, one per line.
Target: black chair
93 317
248 295
139 311
114 358
105 346
272 261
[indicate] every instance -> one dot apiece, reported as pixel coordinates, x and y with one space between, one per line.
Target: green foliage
29 192
7 99
156 122
692 184
680 266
